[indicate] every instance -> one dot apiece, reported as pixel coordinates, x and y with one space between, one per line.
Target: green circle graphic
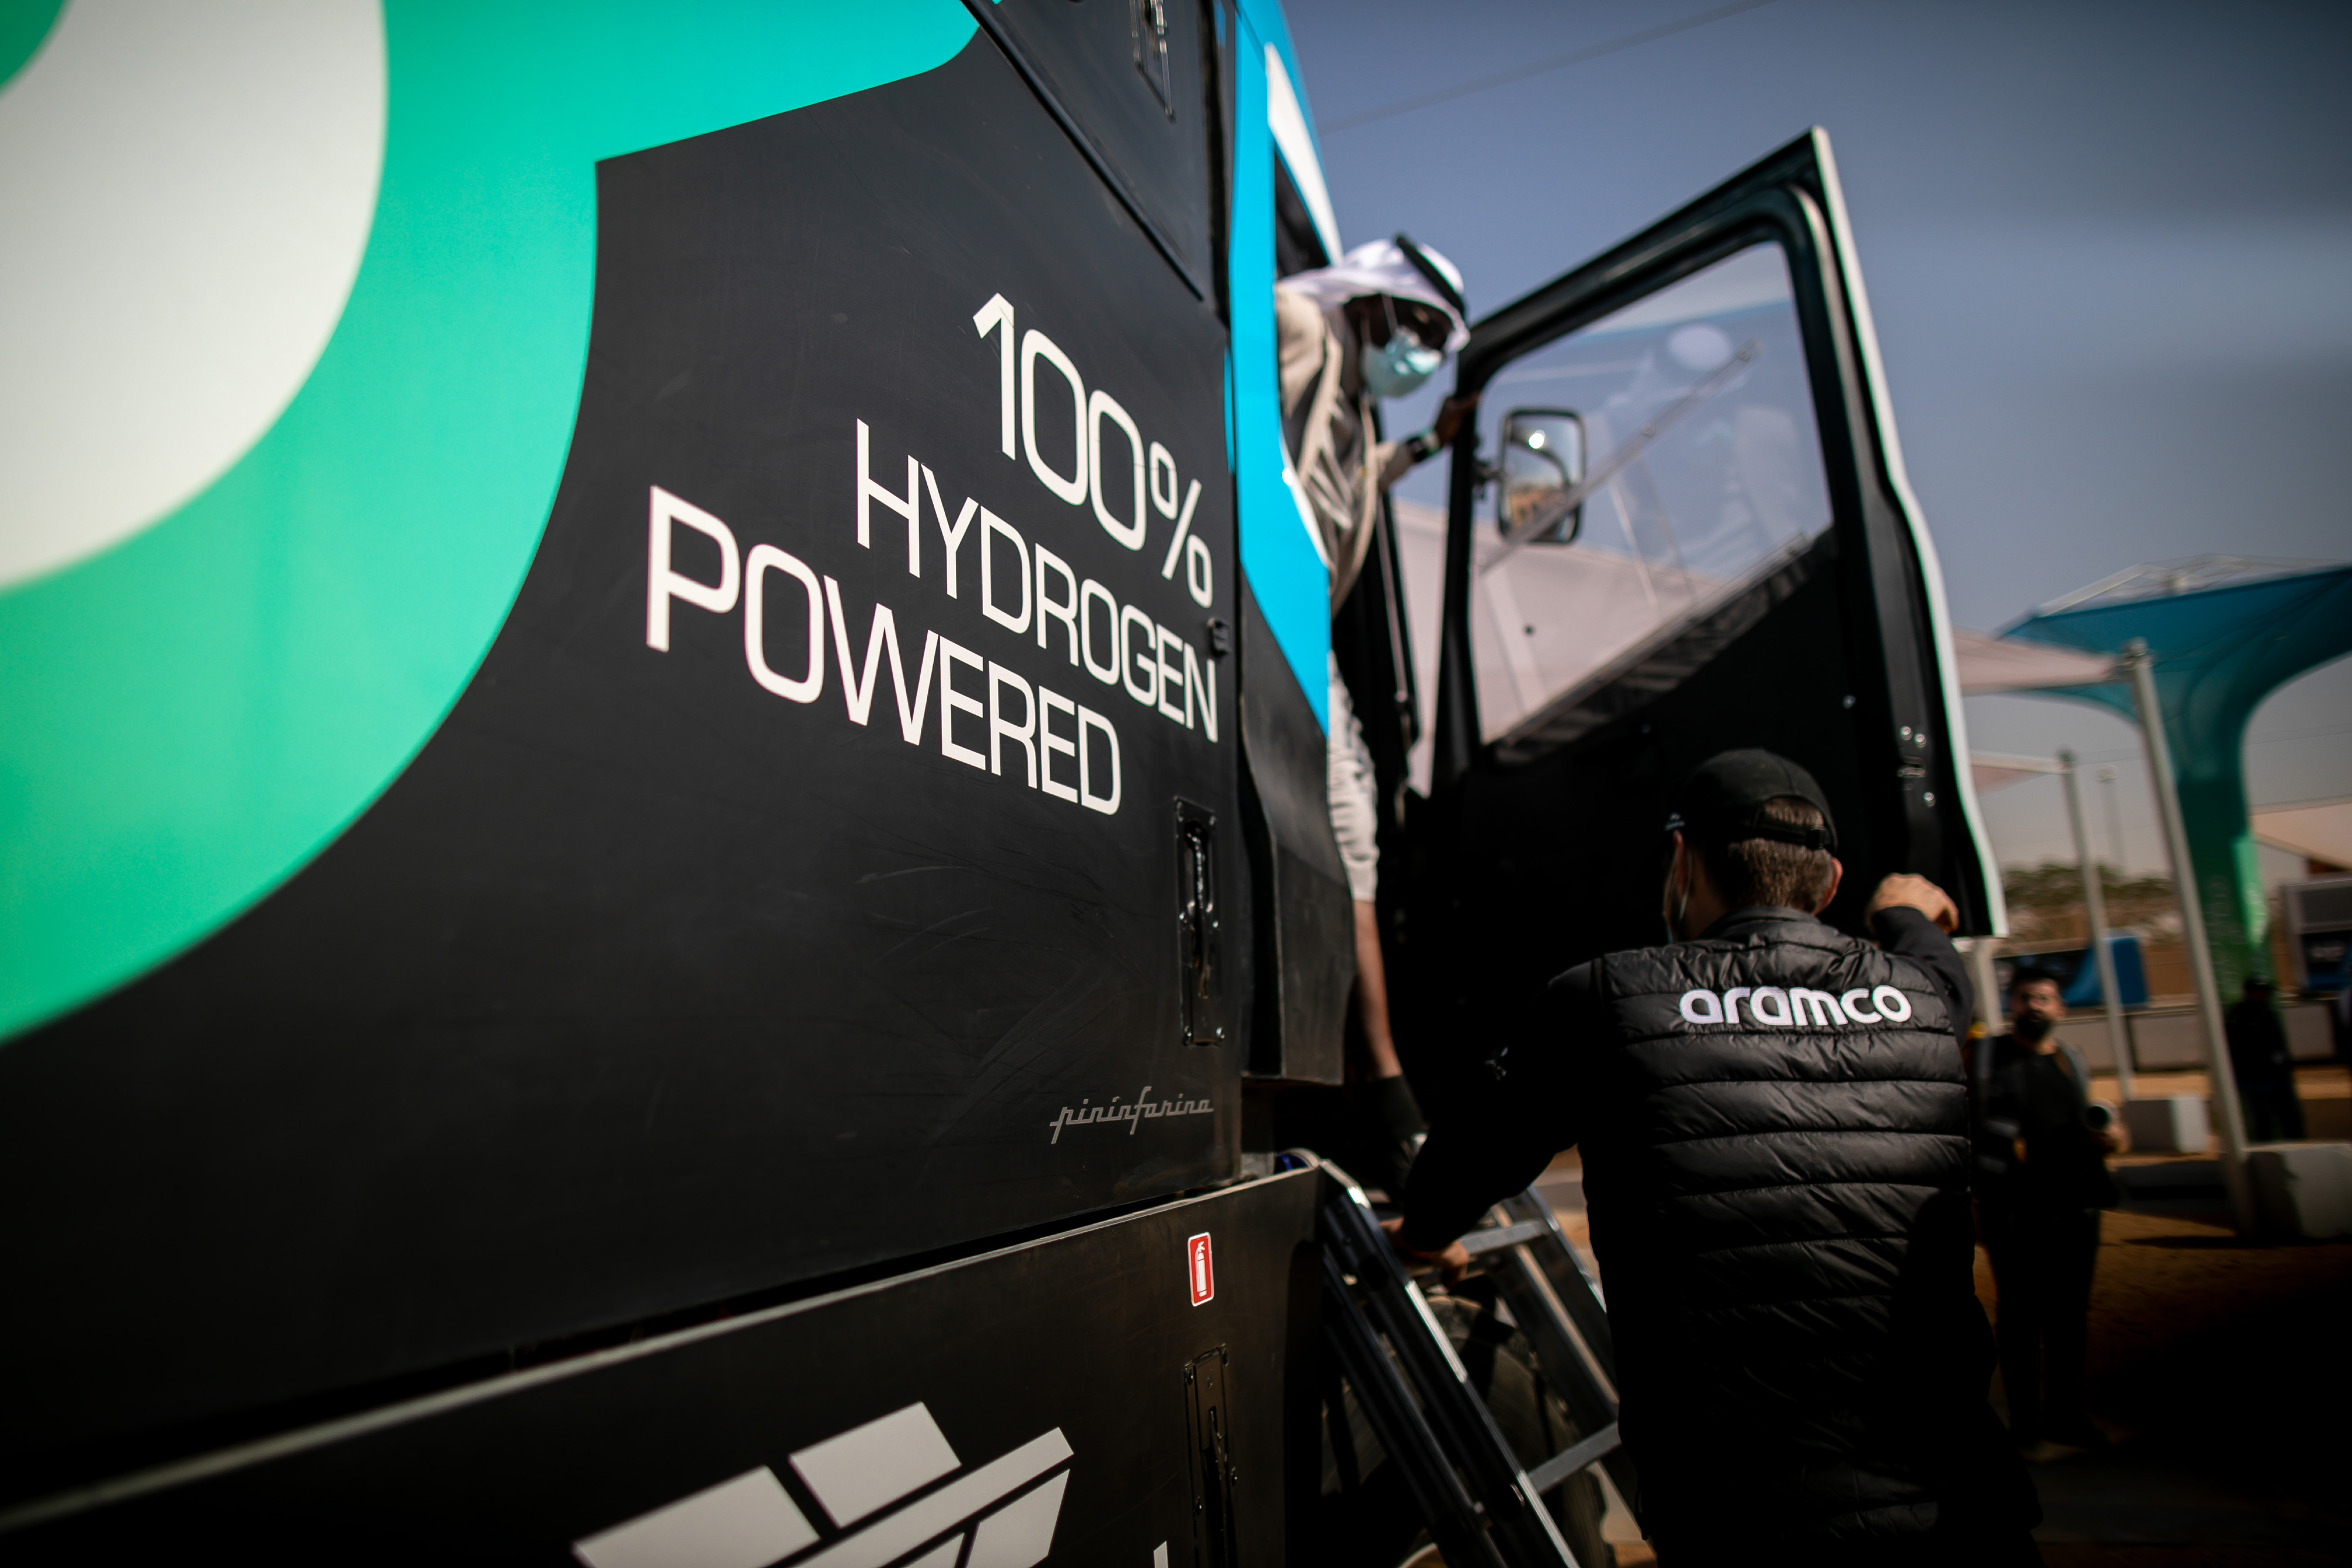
195 712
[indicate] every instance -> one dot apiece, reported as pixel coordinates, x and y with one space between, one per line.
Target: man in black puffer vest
1775 1130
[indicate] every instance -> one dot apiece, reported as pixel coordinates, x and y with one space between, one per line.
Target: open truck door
1679 525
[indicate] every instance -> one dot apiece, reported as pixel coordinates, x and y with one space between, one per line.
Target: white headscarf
1381 266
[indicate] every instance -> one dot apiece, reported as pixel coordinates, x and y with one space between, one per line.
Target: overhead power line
1558 62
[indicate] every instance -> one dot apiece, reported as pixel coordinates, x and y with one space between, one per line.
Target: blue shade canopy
2225 631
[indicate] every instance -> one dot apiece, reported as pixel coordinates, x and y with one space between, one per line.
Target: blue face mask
1398 366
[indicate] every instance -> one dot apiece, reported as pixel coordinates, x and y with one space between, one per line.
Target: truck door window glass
1696 501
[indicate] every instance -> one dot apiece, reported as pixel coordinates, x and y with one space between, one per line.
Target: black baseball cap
1723 801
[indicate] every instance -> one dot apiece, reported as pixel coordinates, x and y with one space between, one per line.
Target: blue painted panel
2080 987
1265 19
1285 570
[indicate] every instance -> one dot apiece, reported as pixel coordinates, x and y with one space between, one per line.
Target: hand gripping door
1681 526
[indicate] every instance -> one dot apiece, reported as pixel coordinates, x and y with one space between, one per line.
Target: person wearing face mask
2042 1180
1774 1123
1376 324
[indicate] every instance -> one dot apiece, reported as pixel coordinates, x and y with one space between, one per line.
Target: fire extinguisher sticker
1197 1266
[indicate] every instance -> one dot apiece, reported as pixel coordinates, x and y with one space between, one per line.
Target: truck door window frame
1906 720
1705 494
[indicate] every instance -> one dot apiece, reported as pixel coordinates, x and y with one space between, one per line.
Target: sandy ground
2218 1365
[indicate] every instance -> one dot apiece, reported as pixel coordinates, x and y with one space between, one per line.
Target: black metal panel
1306 921
644 985
1090 1336
1131 77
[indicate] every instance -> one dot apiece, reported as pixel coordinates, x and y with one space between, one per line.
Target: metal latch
1200 965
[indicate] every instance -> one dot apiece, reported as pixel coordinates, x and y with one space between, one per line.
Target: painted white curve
1286 119
186 192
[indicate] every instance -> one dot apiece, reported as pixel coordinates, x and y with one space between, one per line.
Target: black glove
1394 1109
1385 1124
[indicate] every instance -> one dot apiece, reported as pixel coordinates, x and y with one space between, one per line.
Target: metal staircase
1480 1505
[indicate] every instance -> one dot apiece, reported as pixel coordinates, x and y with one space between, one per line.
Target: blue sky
2108 247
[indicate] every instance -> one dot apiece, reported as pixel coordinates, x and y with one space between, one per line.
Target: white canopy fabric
1990 771
2318 829
1989 664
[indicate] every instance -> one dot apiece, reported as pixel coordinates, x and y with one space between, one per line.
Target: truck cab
666 914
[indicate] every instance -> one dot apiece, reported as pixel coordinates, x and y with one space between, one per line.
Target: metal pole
2115 820
1987 987
2142 665
2095 905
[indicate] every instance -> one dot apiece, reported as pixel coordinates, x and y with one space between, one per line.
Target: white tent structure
2316 830
1989 666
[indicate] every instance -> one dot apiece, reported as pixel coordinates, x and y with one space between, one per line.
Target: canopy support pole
2142 665
1986 982
2095 906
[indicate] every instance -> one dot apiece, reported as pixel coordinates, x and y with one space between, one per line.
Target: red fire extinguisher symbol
1204 1280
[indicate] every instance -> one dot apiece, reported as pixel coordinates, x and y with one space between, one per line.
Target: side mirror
1543 462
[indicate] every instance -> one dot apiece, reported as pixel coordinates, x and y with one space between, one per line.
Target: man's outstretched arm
1484 1153
1461 1173
1913 916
